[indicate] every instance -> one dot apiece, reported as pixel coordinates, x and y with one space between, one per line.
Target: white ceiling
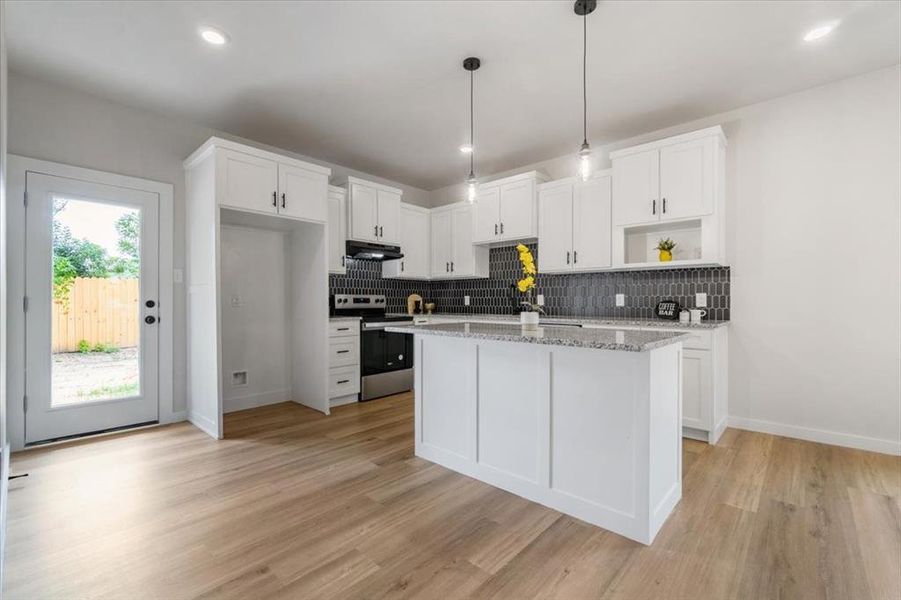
378 86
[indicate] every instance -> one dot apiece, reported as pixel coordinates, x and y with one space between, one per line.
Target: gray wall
51 122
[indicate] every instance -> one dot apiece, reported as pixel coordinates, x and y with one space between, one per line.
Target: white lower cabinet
344 361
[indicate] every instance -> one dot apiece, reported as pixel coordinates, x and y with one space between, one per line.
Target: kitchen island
585 421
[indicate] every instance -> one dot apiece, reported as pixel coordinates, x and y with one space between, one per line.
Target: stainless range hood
372 251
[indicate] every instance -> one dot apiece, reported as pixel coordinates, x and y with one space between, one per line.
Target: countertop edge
598 322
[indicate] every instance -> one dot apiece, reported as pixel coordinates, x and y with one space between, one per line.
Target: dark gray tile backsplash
577 294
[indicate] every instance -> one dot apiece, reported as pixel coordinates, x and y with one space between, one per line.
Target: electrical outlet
620 299
540 300
701 300
236 301
465 300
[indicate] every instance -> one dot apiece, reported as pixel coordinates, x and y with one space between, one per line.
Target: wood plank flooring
298 505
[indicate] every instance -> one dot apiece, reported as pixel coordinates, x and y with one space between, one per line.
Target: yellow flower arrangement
528 269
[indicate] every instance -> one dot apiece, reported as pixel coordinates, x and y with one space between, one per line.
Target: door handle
283 200
150 304
567 257
275 199
150 319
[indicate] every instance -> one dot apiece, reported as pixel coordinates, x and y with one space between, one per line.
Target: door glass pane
95 332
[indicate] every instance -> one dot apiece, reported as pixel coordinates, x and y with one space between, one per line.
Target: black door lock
150 319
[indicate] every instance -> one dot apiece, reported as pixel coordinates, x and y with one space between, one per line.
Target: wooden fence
98 311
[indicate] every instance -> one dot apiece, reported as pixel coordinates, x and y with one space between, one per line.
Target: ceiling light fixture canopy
583 8
213 36
820 32
471 64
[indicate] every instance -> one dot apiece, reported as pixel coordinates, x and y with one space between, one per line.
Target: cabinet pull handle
344 381
344 329
664 206
452 266
401 266
343 351
283 200
654 206
502 229
275 199
567 257
495 229
376 230
343 264
447 267
381 231
575 256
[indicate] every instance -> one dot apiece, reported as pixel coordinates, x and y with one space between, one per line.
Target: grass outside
89 377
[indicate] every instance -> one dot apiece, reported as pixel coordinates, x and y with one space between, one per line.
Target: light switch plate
178 275
236 301
540 300
701 300
620 299
465 300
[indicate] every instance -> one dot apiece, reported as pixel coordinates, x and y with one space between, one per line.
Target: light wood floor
298 505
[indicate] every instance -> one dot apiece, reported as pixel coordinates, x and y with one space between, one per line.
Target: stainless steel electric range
386 358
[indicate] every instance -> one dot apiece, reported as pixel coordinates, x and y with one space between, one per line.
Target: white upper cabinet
442 243
249 182
453 253
506 210
672 179
373 211
302 193
574 218
414 243
255 180
337 230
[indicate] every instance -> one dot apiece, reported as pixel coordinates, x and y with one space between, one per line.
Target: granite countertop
344 319
588 321
632 340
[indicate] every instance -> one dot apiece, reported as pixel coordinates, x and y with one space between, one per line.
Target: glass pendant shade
585 162
471 190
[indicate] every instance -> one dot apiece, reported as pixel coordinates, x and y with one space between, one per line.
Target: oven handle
378 326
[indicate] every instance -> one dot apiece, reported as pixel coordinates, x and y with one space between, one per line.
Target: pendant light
583 8
471 64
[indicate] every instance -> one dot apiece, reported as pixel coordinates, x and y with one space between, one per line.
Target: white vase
528 320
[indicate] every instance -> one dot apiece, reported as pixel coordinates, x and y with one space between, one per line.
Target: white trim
18 166
217 142
255 400
716 130
833 438
347 180
538 176
207 426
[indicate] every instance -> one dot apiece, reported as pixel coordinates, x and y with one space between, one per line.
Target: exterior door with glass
91 283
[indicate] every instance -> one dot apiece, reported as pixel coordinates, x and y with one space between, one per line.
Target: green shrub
104 348
84 346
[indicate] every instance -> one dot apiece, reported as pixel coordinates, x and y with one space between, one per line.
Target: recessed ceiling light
213 36
820 32
466 148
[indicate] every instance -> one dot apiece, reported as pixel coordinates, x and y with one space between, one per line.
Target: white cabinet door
486 215
462 254
697 389
517 216
414 243
336 233
302 193
555 232
363 210
686 179
591 225
442 236
251 183
388 217
635 188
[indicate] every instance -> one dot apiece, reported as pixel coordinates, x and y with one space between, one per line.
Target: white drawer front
343 329
344 352
701 340
343 381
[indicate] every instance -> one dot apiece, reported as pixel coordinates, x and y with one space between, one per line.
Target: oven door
387 363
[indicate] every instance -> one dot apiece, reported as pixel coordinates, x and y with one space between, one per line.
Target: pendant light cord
472 148
584 79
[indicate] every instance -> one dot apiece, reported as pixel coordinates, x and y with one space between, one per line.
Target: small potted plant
528 316
665 249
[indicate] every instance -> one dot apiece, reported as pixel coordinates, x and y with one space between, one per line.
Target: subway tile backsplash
576 294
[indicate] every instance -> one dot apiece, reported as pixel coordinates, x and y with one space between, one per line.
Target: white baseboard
833 438
255 400
205 425
342 400
176 417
